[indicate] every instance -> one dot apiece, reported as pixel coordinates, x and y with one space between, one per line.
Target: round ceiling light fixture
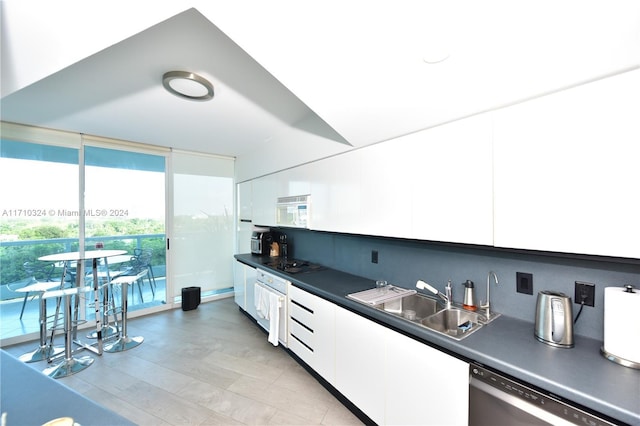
188 85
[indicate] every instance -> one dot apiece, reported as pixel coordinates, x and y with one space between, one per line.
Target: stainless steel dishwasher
496 400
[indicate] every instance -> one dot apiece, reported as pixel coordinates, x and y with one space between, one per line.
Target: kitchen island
28 397
580 375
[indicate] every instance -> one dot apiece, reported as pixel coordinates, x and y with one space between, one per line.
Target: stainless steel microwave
294 212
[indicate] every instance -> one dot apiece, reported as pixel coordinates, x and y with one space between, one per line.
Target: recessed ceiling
308 78
118 92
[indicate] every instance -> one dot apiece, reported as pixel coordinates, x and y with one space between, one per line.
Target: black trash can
190 298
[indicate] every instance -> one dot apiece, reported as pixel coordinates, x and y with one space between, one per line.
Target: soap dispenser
469 302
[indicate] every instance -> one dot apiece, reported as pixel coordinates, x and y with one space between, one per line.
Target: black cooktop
292 266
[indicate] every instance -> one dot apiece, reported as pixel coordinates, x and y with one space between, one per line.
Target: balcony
13 254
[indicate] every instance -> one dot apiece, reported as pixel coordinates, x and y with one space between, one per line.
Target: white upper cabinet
433 185
386 191
244 201
294 182
566 170
264 191
451 176
336 193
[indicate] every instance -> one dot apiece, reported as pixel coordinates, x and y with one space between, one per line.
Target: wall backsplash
403 262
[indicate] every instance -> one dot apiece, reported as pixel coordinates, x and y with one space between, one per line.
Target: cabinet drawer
307 300
302 315
304 352
302 333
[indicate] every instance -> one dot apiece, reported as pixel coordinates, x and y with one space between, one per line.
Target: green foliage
14 256
44 232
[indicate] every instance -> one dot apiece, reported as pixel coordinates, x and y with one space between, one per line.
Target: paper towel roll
621 323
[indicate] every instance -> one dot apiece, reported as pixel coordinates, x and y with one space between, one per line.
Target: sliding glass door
124 207
39 215
68 194
65 192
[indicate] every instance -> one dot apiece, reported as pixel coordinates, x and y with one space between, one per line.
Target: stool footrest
129 279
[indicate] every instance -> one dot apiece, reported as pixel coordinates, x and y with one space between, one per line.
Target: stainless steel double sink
453 322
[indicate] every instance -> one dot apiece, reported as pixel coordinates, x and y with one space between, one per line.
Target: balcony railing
13 254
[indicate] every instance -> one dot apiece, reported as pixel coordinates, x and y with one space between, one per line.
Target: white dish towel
268 306
275 302
261 301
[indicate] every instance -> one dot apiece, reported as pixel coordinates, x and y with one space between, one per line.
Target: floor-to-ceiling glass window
124 207
63 192
202 230
39 215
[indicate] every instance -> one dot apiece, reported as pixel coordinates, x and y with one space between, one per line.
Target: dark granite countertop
580 374
31 398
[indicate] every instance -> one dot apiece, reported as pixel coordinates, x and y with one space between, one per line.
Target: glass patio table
79 258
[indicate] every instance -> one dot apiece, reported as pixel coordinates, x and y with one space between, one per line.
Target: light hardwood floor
209 366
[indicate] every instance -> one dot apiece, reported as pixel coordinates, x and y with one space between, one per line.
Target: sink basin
456 323
414 307
431 314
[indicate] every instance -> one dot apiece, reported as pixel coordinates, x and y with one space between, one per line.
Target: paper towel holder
625 362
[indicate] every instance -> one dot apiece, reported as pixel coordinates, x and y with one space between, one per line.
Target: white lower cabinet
250 278
392 378
244 278
239 289
423 385
361 362
311 331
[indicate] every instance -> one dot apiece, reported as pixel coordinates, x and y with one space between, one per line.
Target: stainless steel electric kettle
554 319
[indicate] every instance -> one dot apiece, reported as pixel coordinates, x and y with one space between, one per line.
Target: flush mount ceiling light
188 85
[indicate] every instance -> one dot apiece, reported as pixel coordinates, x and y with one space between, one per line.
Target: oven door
265 297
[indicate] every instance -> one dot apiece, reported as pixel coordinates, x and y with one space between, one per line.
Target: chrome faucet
487 305
448 299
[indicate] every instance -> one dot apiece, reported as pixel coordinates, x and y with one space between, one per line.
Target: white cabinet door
244 201
239 289
264 196
566 170
423 385
320 214
296 182
452 174
386 190
335 193
250 277
244 278
360 362
312 331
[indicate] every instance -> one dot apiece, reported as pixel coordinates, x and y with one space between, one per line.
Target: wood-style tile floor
209 366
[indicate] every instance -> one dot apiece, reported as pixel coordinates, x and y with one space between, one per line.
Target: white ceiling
312 77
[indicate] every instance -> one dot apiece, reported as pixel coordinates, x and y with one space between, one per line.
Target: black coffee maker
284 246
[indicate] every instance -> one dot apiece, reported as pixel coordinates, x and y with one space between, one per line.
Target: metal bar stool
70 365
44 351
125 342
109 329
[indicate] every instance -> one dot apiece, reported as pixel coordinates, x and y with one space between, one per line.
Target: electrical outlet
524 283
585 291
374 256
